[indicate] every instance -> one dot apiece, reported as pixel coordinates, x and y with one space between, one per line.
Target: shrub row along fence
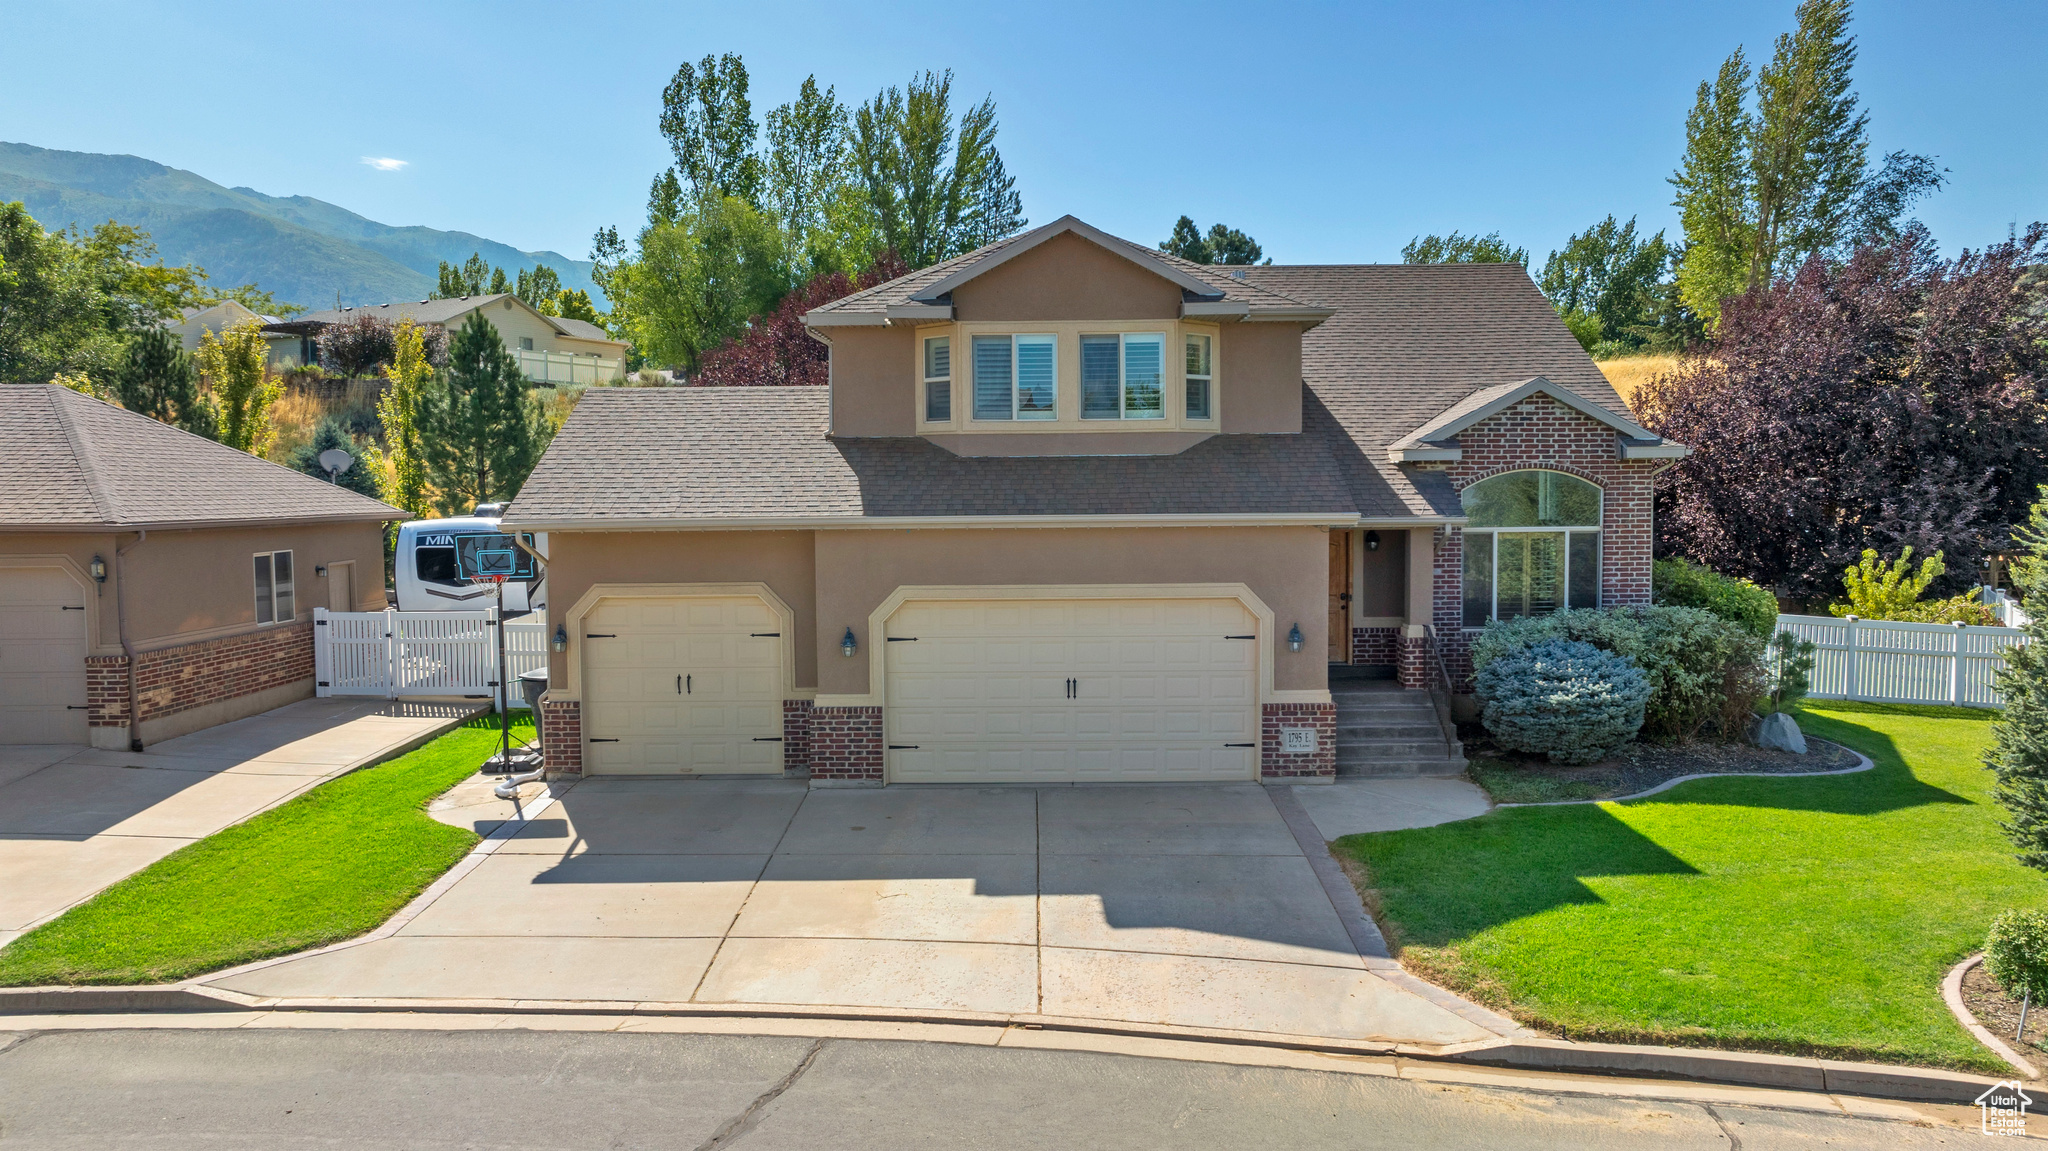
1882 661
405 654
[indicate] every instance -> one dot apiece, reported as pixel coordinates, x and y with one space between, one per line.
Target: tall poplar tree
410 373
478 427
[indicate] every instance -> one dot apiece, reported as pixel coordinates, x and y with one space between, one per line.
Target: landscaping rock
1779 732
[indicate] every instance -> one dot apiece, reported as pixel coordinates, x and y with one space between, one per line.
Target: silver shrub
1563 698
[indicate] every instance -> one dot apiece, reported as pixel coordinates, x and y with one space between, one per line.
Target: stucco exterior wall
185 586
1066 278
874 384
1258 377
1287 567
782 560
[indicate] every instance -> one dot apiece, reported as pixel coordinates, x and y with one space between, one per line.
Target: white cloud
384 163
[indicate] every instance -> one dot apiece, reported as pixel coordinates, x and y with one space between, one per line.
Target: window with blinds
938 379
1123 377
1016 378
1200 376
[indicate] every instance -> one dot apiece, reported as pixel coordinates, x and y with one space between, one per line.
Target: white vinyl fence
401 654
564 368
1881 661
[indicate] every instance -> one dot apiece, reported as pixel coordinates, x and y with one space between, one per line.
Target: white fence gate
400 654
1883 661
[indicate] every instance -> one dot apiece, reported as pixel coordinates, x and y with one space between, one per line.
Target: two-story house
1074 509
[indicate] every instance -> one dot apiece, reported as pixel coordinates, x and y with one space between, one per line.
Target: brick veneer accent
174 679
1539 432
561 734
846 744
796 735
1277 764
106 690
1375 645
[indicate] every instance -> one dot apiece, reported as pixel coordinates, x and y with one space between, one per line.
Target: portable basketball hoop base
508 761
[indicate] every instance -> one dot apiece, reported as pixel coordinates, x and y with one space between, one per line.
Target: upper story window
1015 378
1123 377
1532 545
1200 375
274 587
938 379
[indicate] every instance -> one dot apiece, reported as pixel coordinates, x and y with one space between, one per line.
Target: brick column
1416 672
561 734
846 745
1307 766
796 735
106 690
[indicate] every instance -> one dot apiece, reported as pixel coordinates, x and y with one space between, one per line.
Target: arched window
1532 545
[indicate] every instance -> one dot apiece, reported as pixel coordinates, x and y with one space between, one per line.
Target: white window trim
973 388
1598 528
255 598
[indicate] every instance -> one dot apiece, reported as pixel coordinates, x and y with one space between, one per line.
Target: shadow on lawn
1889 786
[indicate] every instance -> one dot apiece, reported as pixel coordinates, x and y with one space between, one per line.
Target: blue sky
1331 133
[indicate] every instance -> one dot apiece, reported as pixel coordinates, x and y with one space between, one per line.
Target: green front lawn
327 866
1813 916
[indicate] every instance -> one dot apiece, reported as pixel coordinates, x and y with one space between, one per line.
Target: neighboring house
147 572
550 349
285 351
1075 510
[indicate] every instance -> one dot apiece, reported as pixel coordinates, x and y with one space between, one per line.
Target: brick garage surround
174 679
1540 433
846 744
561 734
1277 764
1378 646
796 736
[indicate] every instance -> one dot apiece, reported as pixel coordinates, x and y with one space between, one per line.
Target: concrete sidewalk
1184 906
74 819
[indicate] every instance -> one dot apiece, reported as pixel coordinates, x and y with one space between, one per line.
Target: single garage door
42 657
1035 691
682 685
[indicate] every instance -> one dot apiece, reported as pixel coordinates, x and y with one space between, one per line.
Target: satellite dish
336 462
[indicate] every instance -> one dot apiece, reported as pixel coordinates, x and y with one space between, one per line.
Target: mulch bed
1641 766
2000 1013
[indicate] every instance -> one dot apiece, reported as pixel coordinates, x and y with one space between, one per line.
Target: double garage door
42 657
1048 691
981 691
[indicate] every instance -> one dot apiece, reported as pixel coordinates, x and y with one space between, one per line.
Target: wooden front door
1340 597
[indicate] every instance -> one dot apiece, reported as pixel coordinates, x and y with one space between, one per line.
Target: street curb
1701 1065
1952 994
1863 763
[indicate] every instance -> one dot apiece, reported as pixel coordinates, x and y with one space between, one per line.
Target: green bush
2016 953
1682 583
1693 658
1565 699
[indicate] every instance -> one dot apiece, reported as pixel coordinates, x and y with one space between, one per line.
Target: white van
440 565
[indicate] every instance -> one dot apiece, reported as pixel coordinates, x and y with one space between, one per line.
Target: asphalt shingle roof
70 461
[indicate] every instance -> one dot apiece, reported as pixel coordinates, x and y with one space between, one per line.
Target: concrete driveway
1193 906
75 819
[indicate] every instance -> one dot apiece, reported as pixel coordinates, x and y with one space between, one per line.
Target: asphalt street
563 1090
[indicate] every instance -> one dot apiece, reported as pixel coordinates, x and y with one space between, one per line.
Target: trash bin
533 683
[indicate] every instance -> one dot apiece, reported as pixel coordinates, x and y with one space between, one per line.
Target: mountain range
300 249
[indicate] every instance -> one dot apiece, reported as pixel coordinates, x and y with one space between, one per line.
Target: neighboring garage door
42 657
1032 691
683 685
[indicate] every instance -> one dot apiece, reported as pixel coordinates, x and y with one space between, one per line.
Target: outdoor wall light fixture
1294 640
849 645
561 641
98 568
1372 541
320 570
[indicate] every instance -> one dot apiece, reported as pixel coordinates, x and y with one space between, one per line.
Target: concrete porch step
1391 749
1400 768
1381 731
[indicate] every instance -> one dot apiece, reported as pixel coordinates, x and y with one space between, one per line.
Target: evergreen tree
480 429
2019 736
1223 245
1186 241
159 380
361 475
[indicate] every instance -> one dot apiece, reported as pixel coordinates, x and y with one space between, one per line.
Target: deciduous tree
709 123
1610 276
411 372
935 189
777 350
1892 400
1458 248
236 364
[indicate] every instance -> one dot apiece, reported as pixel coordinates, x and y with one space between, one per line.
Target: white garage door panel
684 685
982 691
42 657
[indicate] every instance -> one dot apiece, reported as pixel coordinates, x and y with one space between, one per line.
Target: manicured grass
1812 916
1507 783
324 867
